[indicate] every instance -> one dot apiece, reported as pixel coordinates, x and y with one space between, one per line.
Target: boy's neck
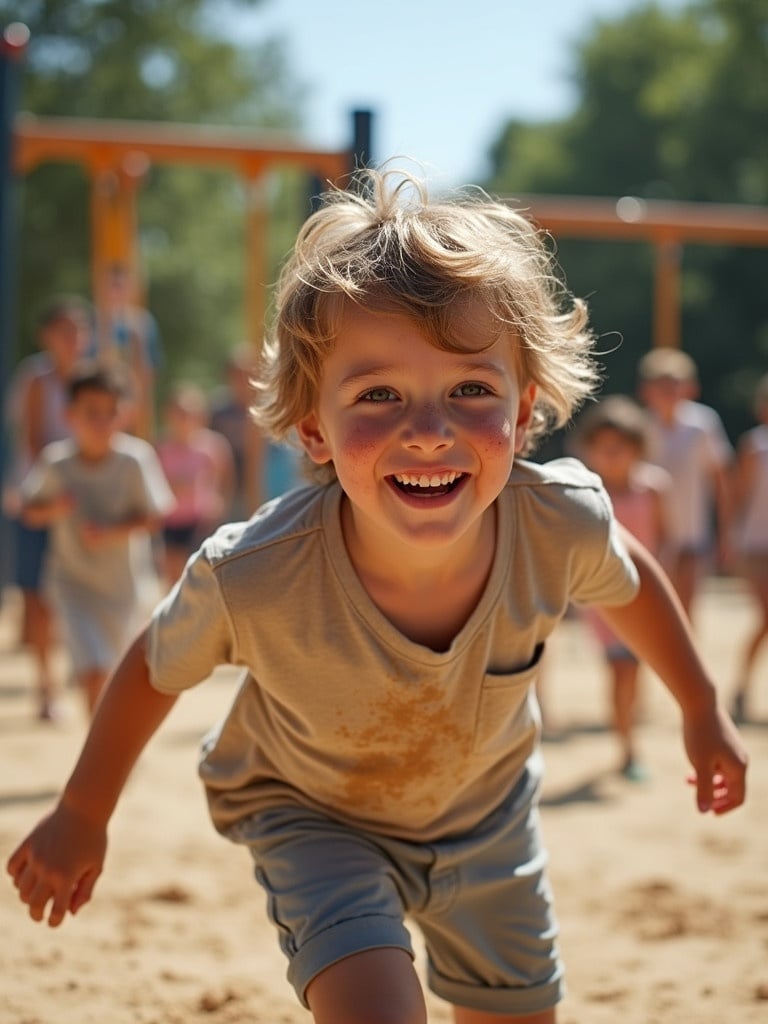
667 414
94 457
428 595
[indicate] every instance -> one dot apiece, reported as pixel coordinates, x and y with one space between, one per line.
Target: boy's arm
100 534
43 513
33 417
655 627
723 511
61 859
744 475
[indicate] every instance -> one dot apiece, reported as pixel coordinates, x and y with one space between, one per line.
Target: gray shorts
482 902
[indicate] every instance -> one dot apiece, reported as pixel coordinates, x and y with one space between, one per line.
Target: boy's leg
759 588
379 986
462 1015
37 633
337 897
686 575
624 679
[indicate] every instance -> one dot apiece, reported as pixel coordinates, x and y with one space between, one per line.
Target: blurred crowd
104 500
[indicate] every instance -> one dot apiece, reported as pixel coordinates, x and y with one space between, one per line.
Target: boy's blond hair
387 247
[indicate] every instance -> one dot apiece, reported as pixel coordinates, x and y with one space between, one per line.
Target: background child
381 757
199 466
613 441
751 485
36 413
100 492
685 439
263 469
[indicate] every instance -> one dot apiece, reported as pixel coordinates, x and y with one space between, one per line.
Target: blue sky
441 76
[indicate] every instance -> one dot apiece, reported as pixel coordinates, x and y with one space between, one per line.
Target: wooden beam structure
116 156
666 225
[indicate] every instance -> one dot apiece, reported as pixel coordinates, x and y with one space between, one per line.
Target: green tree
155 60
673 106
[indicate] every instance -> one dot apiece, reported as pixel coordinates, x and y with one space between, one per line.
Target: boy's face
422 440
664 394
612 455
93 419
65 339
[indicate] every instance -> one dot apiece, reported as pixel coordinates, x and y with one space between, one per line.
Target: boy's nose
428 429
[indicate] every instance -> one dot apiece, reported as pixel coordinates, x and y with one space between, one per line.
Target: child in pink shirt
199 466
613 441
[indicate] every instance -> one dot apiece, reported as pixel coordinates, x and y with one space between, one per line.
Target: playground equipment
116 156
666 225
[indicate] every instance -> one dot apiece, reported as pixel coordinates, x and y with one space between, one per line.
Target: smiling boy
381 758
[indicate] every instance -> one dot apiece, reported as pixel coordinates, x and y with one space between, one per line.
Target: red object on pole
14 39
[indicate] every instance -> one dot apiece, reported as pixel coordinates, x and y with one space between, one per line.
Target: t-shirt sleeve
190 632
602 571
43 481
154 493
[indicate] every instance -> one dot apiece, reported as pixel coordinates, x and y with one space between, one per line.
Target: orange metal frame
116 156
666 225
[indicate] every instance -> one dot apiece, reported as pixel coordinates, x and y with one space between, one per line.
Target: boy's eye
378 395
471 389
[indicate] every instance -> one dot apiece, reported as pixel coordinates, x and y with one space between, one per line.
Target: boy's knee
378 986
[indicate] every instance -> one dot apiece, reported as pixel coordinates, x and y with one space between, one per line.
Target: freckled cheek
496 434
361 443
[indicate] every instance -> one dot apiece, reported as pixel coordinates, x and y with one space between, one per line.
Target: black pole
13 43
360 155
362 135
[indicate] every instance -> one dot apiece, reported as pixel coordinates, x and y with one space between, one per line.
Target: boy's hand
58 863
63 505
719 760
94 535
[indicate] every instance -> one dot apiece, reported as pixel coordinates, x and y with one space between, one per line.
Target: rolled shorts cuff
502 1000
342 940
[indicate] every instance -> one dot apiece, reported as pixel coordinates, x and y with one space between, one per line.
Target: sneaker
635 771
739 708
50 711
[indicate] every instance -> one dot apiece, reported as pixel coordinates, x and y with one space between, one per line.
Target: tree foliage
672 106
159 60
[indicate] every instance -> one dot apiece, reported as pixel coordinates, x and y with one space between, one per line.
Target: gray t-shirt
128 483
340 711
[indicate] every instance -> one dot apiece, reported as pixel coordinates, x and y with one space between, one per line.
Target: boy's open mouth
427 485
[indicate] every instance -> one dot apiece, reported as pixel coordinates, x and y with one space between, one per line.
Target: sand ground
664 913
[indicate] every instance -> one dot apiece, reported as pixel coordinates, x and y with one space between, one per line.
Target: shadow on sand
18 799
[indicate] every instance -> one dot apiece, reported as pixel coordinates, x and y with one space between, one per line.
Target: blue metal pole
13 43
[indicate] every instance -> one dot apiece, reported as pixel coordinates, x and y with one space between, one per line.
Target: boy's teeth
422 480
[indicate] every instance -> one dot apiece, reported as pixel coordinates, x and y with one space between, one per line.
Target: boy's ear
524 414
313 440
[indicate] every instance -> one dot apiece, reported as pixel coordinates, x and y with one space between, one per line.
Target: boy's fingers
37 900
59 907
16 862
704 792
26 880
83 891
721 792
